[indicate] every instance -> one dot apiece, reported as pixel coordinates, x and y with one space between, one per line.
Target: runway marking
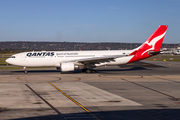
74 101
167 79
20 79
171 97
78 79
89 95
45 101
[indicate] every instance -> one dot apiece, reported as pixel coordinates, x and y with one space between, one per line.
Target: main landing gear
89 71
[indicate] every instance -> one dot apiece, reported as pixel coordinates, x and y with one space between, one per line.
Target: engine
68 67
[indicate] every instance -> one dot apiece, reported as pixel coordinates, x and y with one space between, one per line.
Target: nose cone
8 60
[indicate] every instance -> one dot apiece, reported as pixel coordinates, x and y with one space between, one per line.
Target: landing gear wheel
88 71
84 70
58 68
25 71
93 71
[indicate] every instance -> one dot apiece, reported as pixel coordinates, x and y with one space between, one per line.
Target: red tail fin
151 45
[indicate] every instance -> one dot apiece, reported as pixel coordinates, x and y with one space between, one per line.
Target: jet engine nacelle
68 67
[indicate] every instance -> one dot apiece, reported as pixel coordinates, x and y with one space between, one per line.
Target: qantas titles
41 54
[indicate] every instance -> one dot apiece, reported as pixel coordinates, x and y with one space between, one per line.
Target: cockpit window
12 57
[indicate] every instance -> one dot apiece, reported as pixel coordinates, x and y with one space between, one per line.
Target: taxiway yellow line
74 101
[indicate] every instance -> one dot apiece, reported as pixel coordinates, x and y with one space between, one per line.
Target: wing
96 60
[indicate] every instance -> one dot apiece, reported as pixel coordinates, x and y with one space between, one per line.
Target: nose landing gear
25 71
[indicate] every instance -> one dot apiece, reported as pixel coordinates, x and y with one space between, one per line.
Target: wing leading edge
96 60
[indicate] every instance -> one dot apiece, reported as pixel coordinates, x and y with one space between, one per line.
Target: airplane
87 60
177 52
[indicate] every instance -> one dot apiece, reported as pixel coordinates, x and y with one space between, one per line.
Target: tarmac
145 90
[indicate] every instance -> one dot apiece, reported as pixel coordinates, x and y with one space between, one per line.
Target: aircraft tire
88 71
84 70
93 71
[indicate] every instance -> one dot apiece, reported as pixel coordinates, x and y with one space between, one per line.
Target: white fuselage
55 58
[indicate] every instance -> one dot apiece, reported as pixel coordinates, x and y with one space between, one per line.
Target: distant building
175 51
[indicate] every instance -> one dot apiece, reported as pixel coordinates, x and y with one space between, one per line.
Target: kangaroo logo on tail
152 44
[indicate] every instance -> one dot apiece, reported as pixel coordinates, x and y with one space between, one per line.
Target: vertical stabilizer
151 46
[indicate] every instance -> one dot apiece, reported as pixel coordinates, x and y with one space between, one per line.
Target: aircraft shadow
142 114
80 71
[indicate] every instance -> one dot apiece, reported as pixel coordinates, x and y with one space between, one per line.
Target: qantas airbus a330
87 60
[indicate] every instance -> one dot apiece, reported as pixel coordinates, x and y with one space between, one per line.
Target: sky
127 21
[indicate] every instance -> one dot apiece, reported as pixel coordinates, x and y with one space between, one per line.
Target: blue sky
88 20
